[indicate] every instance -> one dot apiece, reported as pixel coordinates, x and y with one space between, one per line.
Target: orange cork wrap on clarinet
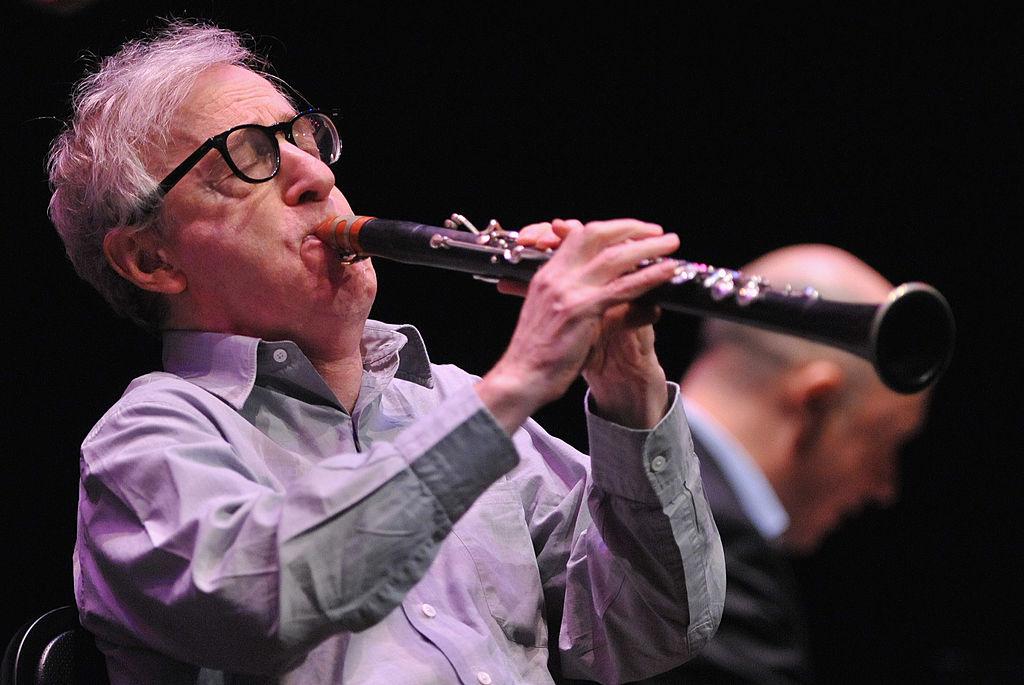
342 233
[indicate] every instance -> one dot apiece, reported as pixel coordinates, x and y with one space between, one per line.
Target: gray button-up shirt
237 525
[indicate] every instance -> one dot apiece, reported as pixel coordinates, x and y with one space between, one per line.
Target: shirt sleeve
184 547
630 557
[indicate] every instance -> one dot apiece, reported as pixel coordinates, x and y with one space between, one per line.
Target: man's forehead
228 95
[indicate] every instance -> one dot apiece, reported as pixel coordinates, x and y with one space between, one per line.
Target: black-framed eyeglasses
253 153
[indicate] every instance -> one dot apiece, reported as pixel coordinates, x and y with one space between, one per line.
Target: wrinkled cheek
368 276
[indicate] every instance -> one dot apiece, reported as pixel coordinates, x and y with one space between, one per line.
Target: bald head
757 355
834 272
817 420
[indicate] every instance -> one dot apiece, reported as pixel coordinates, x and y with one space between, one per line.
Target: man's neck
338 358
343 375
754 426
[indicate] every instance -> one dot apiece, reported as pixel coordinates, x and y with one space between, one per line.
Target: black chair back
53 649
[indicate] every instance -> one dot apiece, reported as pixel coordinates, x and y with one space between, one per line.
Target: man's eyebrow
288 114
278 117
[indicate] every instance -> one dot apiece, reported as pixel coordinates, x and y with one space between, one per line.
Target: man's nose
306 178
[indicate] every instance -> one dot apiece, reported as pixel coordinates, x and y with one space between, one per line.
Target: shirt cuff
459 452
665 452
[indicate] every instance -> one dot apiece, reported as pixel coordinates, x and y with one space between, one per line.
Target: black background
891 131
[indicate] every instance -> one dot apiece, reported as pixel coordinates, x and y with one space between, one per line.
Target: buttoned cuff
460 452
649 466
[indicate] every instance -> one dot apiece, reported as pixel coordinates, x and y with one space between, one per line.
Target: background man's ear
813 391
137 256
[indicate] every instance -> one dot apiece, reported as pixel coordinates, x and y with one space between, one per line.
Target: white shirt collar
745 477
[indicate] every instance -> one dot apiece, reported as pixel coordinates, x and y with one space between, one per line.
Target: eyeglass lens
254 150
315 134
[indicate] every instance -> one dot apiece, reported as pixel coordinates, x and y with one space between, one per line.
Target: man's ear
812 391
137 256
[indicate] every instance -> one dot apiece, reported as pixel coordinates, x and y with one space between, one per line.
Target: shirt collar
747 480
227 365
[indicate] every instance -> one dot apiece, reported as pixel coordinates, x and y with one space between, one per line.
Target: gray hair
98 163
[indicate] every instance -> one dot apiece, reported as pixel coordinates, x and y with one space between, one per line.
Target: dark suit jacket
763 635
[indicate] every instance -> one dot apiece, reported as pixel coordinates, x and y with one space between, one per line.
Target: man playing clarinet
300 495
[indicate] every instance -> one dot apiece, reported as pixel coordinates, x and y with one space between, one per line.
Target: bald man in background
793 437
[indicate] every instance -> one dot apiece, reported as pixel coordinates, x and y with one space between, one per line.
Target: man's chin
802 548
803 542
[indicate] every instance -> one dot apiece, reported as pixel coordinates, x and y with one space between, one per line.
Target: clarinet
908 338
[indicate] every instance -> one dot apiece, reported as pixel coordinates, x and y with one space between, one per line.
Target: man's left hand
627 383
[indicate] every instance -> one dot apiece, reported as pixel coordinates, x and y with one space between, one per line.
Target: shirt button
428 610
658 463
280 355
484 677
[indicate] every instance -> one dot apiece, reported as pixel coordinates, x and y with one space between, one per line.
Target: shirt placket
430 616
